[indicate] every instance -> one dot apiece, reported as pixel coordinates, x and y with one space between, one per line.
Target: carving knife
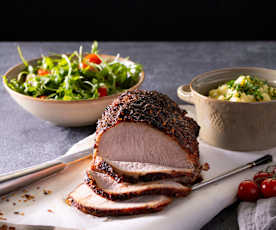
14 180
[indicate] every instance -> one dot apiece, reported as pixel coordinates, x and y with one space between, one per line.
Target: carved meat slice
134 172
106 187
89 202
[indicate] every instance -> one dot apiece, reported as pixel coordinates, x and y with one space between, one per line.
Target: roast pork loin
148 127
104 186
144 145
89 202
134 172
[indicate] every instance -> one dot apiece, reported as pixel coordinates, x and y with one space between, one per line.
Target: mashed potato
244 89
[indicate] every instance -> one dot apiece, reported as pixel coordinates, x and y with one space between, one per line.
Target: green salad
75 76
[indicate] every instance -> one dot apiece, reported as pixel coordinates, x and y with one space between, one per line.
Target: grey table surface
26 140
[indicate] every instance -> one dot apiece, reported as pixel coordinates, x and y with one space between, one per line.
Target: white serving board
187 213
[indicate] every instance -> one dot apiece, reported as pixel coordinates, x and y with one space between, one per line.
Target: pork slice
104 186
89 202
134 172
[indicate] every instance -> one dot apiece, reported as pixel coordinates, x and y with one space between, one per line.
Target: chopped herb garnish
230 83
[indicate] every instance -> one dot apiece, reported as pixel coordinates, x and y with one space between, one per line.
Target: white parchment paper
189 213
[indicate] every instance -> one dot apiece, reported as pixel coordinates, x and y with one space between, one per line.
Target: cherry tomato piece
268 187
43 97
102 91
91 58
248 191
261 176
42 72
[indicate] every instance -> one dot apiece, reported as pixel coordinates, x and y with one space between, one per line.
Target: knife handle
263 160
14 180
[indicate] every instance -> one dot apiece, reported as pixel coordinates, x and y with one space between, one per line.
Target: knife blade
73 158
8 226
13 180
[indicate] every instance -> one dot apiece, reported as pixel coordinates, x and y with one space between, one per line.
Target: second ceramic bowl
232 125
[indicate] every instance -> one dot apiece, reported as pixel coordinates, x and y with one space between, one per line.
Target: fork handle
263 160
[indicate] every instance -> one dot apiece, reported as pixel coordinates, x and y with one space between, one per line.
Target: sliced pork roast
134 172
144 146
89 202
106 187
148 127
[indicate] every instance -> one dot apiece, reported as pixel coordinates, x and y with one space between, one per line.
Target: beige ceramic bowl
64 113
232 125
